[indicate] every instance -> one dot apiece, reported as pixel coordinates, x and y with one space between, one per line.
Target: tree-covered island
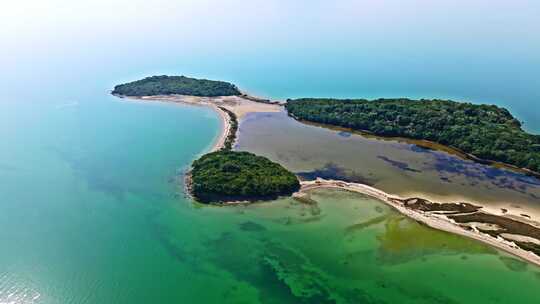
486 132
224 176
227 175
179 85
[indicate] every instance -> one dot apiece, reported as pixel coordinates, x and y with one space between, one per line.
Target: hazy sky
57 26
494 44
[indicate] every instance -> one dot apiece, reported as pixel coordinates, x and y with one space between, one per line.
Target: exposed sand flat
503 208
225 130
241 106
520 238
483 226
519 213
238 105
436 221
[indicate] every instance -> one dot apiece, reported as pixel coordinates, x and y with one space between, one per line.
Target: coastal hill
485 132
178 85
225 176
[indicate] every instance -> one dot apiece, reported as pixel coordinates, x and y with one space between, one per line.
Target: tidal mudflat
396 166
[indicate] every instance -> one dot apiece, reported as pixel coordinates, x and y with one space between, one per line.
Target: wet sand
239 105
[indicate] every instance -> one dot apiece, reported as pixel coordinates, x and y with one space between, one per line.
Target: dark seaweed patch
344 134
257 116
420 149
445 179
251 227
289 266
514 264
401 165
164 237
448 166
333 171
365 224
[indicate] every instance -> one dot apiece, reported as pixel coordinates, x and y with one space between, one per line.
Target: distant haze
482 51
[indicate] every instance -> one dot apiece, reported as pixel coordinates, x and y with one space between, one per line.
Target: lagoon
400 167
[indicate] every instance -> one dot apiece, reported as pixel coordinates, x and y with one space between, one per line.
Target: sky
57 26
417 48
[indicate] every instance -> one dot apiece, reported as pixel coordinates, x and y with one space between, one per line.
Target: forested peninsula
486 132
177 85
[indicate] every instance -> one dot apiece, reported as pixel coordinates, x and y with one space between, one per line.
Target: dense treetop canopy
181 85
227 175
485 131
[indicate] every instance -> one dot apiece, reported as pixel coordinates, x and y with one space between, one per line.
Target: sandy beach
225 130
239 105
521 213
433 220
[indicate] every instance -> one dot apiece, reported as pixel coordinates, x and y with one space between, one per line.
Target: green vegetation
231 137
226 175
181 85
487 132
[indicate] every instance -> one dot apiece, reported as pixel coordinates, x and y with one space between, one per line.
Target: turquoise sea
93 211
92 208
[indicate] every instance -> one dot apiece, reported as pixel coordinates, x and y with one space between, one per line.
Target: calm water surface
93 212
396 167
91 202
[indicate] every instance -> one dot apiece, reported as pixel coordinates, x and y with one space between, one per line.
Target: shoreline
224 117
427 144
220 104
225 129
218 143
434 220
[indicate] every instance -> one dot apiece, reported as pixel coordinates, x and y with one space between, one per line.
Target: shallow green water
92 211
